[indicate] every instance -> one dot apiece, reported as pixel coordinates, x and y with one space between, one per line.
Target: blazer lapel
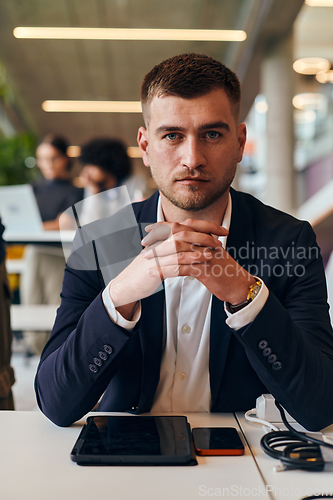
151 338
151 323
239 244
220 335
241 237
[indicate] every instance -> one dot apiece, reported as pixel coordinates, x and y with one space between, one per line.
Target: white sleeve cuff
117 318
249 312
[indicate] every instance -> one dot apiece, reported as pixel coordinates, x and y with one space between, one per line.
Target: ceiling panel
103 70
314 33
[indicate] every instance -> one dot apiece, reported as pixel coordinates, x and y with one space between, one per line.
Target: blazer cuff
248 313
115 316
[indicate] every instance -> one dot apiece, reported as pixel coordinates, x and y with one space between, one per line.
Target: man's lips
190 180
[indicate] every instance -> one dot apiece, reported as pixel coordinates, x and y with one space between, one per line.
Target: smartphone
217 441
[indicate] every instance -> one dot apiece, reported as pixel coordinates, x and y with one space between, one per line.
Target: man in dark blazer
261 298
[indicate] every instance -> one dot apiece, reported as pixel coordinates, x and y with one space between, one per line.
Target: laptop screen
19 210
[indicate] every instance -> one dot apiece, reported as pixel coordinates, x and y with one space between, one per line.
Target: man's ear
143 144
241 137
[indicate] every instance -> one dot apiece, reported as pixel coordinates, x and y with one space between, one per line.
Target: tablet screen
134 439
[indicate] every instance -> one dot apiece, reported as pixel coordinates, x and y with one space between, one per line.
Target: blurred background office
60 75
41 281
106 167
7 377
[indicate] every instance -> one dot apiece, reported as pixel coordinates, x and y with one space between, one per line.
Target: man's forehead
166 97
213 107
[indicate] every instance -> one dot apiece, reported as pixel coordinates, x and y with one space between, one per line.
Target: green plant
13 153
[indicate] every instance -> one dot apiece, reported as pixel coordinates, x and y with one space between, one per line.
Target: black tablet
135 440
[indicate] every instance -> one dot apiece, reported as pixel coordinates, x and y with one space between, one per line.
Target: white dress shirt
184 384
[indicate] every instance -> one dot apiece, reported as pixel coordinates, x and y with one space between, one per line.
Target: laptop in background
19 210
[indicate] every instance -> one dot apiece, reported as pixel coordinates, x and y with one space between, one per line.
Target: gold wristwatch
252 293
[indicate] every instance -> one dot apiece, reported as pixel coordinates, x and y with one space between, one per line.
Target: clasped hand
190 248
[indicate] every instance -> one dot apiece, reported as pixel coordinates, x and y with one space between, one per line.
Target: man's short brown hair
189 76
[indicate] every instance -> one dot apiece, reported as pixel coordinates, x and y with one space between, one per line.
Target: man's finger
159 231
197 243
201 254
162 230
202 226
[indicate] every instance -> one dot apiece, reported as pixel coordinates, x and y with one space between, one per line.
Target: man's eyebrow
169 128
218 124
205 126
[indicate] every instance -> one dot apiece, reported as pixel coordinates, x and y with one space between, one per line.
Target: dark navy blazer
287 350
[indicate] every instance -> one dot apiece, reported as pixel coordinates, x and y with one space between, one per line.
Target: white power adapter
266 409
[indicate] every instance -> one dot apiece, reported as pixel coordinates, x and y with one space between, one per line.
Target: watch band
252 293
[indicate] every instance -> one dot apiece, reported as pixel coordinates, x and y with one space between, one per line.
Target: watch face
254 291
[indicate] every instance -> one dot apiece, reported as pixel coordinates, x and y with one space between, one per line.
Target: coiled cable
296 450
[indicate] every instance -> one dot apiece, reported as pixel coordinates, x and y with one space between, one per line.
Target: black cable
296 450
317 496
298 433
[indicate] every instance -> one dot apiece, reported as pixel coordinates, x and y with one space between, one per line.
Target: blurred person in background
106 165
6 371
42 280
55 192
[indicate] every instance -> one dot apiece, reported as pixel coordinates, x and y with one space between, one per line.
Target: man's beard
198 200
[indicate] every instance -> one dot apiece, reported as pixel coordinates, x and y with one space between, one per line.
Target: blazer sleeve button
263 344
98 361
93 368
272 358
103 355
266 352
277 365
108 349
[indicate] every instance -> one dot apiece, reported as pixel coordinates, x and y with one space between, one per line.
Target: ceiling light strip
92 106
129 34
311 65
319 3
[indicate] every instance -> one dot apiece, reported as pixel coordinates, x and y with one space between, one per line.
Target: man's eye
172 136
212 134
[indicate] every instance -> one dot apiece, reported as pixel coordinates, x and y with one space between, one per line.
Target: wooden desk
35 465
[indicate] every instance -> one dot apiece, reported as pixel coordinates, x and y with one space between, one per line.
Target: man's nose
192 154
